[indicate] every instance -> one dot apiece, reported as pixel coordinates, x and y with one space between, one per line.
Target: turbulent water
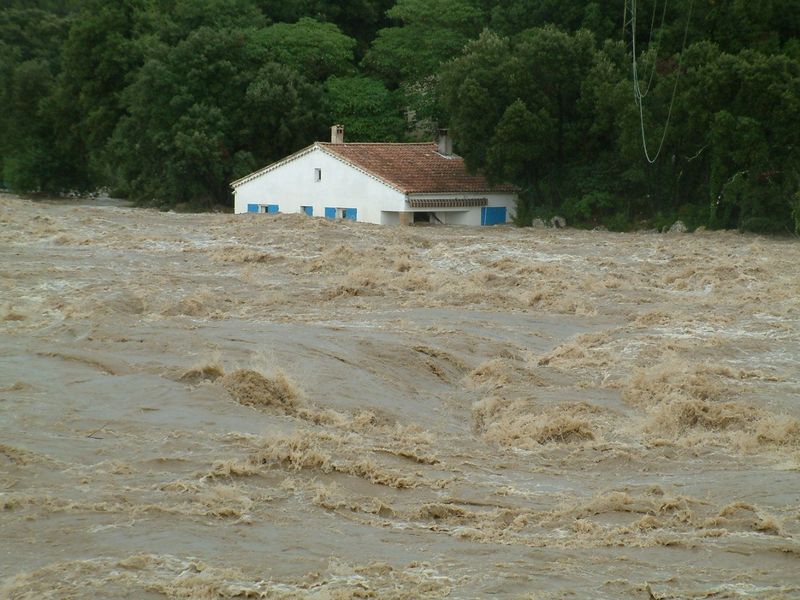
219 406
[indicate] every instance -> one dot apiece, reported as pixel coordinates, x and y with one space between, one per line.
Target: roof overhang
446 202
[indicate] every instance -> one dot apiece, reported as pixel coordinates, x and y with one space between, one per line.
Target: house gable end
362 170
275 165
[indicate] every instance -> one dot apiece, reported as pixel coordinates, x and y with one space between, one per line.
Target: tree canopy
167 101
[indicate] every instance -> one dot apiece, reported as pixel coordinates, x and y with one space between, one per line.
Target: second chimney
444 143
337 134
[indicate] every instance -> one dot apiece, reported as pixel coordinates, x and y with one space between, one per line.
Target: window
308 210
317 174
350 214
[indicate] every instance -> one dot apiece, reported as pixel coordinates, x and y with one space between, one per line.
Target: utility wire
638 97
640 93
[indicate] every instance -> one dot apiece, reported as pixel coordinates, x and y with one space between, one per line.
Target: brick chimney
444 143
337 134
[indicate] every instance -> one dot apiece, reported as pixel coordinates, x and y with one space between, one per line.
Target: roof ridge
377 143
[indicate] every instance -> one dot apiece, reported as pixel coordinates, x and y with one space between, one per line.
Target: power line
641 94
637 93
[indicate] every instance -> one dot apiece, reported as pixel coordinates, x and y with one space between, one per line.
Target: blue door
309 210
330 213
252 208
493 215
350 214
272 209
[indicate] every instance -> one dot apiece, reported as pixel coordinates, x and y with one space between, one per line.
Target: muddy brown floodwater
254 406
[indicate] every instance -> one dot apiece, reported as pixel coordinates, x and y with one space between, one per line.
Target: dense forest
623 113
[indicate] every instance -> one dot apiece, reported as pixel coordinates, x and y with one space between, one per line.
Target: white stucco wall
293 185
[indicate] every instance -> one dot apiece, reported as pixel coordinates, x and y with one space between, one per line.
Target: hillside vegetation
167 101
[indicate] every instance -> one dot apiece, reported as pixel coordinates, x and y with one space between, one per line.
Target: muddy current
258 406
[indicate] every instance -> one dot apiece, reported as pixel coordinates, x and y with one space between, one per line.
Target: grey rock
678 227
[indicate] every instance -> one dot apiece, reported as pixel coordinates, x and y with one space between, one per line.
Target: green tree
369 111
602 17
28 164
179 18
206 111
518 150
185 86
54 7
514 106
475 90
359 19
98 57
316 49
428 33
29 55
283 111
408 55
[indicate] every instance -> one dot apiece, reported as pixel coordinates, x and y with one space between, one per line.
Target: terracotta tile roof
414 168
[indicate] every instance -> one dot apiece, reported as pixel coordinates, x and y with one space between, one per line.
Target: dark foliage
167 101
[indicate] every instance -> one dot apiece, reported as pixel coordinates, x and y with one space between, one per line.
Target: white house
384 183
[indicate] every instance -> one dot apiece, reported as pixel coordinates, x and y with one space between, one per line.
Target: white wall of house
295 184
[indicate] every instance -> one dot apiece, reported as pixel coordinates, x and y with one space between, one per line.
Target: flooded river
258 406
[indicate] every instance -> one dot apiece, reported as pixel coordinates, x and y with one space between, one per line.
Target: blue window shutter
272 209
330 213
309 210
493 215
350 213
252 208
